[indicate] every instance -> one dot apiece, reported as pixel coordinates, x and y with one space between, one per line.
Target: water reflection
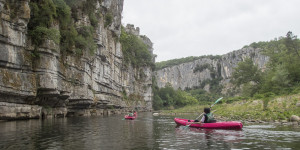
146 132
77 133
206 138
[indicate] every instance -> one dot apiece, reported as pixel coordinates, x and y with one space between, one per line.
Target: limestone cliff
189 75
57 84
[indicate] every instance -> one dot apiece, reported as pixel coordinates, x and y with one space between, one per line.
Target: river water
146 132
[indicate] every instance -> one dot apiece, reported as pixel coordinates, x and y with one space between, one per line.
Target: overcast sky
181 28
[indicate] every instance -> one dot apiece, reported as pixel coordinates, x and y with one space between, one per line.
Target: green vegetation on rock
88 7
200 68
40 27
174 62
135 51
282 73
108 19
45 14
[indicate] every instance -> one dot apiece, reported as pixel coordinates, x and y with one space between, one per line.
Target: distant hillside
262 69
174 62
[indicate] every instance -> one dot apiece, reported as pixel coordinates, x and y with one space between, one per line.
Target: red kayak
230 125
130 117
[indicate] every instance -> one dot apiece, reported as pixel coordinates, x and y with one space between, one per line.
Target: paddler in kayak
208 117
130 114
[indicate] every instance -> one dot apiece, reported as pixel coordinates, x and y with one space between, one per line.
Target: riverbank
281 109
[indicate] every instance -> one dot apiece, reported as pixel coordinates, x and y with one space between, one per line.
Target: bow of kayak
229 125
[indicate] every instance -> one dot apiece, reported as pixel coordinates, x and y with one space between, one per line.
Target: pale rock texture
184 76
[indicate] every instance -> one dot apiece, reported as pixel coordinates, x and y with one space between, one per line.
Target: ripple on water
146 132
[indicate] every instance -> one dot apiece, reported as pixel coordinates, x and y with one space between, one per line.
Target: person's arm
202 119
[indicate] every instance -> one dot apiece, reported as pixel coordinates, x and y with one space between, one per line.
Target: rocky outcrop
295 118
195 73
56 85
141 75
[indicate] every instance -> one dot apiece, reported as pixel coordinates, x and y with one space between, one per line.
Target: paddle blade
216 101
187 126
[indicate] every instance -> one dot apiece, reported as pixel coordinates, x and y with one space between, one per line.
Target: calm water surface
146 132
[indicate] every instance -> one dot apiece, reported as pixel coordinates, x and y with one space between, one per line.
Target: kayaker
207 117
134 113
130 114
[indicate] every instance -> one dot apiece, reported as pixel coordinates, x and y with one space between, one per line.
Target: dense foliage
135 51
169 98
282 75
45 13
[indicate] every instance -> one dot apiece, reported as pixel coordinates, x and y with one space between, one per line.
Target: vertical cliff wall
42 81
195 73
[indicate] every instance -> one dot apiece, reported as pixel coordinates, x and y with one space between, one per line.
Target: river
146 132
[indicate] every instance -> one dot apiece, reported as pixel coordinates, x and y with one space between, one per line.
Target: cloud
202 27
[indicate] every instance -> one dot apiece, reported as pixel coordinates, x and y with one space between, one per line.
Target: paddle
203 112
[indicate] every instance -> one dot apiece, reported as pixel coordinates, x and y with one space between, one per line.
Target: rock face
195 73
56 85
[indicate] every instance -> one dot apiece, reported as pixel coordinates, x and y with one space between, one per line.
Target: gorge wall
55 84
195 73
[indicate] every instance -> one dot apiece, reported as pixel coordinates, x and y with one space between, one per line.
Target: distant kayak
229 125
129 117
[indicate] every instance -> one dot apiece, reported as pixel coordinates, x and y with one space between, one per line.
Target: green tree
246 72
157 102
183 98
248 75
283 72
292 44
292 56
168 97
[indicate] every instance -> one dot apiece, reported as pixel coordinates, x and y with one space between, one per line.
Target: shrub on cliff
200 68
108 19
46 13
39 26
135 51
